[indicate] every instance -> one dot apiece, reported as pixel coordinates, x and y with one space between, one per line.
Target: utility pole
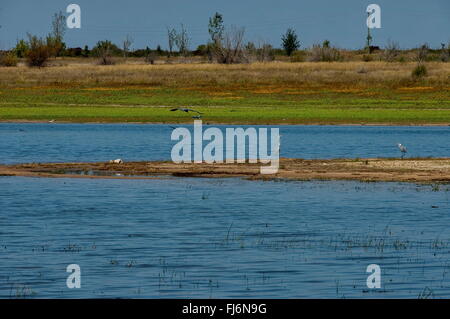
369 36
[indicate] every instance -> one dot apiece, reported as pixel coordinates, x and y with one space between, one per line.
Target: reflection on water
188 237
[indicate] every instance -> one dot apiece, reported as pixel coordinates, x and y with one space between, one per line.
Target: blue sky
410 22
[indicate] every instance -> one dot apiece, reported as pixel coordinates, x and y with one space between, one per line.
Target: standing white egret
402 149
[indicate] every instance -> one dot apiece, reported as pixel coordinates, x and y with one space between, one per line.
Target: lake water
21 143
188 238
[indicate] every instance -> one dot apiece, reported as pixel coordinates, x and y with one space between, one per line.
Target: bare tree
59 26
264 52
55 40
261 52
391 51
172 37
422 53
126 45
230 49
182 41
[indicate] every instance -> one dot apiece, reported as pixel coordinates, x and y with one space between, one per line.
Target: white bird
402 149
116 161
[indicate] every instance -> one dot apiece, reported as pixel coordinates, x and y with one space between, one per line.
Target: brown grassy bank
376 170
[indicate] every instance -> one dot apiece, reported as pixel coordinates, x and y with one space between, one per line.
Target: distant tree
150 56
422 53
38 51
126 45
182 41
8 59
216 28
172 38
55 40
445 52
202 50
391 51
290 42
105 50
265 52
59 25
86 51
159 50
21 48
231 49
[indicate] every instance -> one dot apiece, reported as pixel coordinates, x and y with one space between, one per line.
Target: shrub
38 52
263 52
391 51
324 53
422 53
298 56
8 59
21 48
419 71
367 58
445 53
105 51
85 53
55 45
151 57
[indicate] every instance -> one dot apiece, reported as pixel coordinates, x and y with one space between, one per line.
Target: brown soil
408 170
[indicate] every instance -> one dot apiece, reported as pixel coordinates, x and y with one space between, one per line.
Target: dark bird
185 110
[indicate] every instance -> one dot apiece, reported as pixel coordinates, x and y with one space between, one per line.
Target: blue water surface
219 238
49 142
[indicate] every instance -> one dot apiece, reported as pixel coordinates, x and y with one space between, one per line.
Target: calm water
184 237
93 142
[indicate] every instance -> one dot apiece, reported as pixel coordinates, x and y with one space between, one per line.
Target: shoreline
417 170
229 123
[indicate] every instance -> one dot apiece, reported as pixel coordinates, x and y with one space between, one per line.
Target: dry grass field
279 92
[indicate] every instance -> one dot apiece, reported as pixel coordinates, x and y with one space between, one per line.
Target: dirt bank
408 170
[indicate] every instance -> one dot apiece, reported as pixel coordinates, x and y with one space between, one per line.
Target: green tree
159 50
105 50
290 42
86 51
21 48
216 28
